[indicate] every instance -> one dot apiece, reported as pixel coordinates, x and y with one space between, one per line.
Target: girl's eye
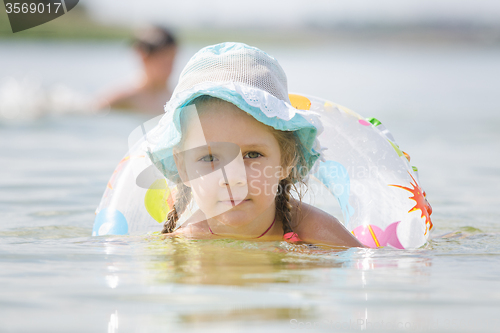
253 154
208 158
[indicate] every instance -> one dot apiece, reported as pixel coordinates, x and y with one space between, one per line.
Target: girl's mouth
233 202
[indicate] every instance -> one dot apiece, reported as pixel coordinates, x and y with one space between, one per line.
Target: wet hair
153 39
292 160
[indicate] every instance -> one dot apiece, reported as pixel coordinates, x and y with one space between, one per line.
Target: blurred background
320 45
429 70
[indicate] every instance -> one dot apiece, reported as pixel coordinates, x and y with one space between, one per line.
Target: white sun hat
242 75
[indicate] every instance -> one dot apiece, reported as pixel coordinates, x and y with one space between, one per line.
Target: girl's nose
233 174
232 177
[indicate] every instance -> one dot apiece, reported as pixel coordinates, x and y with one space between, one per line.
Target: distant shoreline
78 25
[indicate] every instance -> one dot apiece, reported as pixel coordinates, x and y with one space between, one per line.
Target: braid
183 196
292 159
283 205
182 199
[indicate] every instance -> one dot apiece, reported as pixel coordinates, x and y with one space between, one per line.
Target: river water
439 101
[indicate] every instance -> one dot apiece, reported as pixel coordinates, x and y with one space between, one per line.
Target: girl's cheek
262 181
262 170
255 179
254 172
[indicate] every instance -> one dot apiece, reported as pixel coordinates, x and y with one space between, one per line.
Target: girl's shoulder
316 226
196 227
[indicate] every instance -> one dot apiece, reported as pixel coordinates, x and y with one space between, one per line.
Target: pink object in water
291 237
373 236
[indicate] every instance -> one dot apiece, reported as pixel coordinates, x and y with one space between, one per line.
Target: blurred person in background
157 48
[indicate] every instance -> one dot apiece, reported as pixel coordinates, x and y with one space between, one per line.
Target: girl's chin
225 207
234 218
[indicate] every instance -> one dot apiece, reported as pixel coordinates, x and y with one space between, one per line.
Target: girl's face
232 163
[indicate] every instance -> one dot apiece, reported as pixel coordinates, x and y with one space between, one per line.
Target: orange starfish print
420 202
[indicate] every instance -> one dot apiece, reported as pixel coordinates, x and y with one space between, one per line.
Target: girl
231 141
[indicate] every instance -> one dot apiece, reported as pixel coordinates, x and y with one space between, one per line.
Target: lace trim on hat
269 104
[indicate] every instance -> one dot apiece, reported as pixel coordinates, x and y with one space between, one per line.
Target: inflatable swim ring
362 166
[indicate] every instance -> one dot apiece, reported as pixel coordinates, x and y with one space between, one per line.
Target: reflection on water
227 262
125 283
245 263
266 282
